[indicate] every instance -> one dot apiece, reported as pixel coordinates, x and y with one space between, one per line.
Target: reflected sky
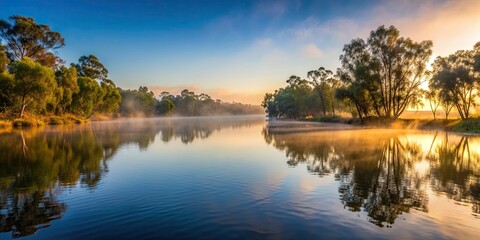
236 177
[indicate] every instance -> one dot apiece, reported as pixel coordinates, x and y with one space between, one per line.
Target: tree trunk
23 106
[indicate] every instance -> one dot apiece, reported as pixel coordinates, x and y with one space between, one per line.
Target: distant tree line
381 77
142 102
35 80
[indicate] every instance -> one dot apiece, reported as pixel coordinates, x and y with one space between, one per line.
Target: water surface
239 178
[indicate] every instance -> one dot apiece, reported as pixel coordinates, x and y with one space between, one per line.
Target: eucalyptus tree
434 101
33 83
298 92
164 107
269 105
324 83
93 76
109 98
7 95
454 76
88 95
138 101
295 100
90 66
385 71
4 61
67 81
476 52
6 82
359 79
24 37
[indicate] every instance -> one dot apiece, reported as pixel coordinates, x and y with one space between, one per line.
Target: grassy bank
38 121
455 125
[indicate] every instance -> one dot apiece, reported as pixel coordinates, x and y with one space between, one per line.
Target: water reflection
387 173
38 164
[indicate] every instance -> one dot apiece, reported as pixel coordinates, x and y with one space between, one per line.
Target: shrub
5 124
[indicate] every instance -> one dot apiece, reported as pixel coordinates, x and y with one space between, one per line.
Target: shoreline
467 126
70 119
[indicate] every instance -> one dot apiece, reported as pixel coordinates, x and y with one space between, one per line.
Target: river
237 178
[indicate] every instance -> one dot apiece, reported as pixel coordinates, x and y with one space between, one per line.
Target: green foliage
471 125
25 38
90 66
137 102
90 93
33 84
190 104
4 61
92 96
27 122
456 81
302 98
330 119
324 82
68 85
55 120
7 95
382 75
165 107
110 100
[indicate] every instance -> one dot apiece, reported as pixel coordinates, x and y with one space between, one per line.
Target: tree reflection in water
37 165
377 169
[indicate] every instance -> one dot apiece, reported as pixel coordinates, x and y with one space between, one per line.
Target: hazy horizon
236 51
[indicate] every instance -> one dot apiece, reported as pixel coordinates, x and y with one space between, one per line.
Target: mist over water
236 177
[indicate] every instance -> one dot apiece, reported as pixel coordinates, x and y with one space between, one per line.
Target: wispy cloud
311 50
264 59
451 25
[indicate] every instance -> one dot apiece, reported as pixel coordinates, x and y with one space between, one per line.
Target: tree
33 83
104 96
387 68
324 82
67 82
358 76
4 61
433 97
476 52
141 101
90 66
164 107
7 96
88 95
269 104
6 82
455 78
110 100
25 38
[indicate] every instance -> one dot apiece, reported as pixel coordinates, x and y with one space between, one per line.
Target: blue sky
236 50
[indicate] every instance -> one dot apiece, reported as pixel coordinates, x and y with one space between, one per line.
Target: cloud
311 50
265 60
266 50
451 25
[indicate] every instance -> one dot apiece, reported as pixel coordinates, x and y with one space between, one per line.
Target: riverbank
38 121
471 125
